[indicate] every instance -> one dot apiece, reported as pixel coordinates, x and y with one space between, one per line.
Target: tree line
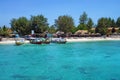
65 23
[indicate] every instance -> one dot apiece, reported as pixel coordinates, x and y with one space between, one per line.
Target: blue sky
51 9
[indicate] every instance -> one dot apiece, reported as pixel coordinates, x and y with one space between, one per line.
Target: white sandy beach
10 41
91 39
75 39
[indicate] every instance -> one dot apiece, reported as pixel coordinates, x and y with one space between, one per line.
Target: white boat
59 40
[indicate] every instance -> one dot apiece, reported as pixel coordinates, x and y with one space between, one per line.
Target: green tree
90 24
102 26
21 25
118 22
85 23
82 27
14 24
4 31
52 29
1 31
64 23
113 24
74 29
110 22
39 23
83 18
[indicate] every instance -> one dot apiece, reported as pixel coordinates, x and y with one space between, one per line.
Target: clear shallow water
71 61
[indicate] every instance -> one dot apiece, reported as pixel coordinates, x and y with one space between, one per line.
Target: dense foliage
65 23
39 23
21 25
85 23
118 22
4 31
52 29
104 24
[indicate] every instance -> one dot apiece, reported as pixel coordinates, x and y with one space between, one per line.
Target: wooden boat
46 41
36 41
61 42
19 42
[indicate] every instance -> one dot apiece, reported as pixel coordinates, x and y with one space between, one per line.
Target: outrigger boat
36 41
59 40
19 42
45 41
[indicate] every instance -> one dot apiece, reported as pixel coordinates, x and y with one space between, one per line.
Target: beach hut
112 30
81 32
69 34
59 32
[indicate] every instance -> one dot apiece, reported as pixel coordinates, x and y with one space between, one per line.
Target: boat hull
36 42
19 43
61 42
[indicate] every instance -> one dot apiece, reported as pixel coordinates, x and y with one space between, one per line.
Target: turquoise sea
70 61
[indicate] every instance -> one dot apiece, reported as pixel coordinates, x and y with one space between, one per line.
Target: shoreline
71 39
11 41
88 39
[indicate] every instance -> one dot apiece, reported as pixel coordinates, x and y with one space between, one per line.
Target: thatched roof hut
81 32
59 32
110 28
93 28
